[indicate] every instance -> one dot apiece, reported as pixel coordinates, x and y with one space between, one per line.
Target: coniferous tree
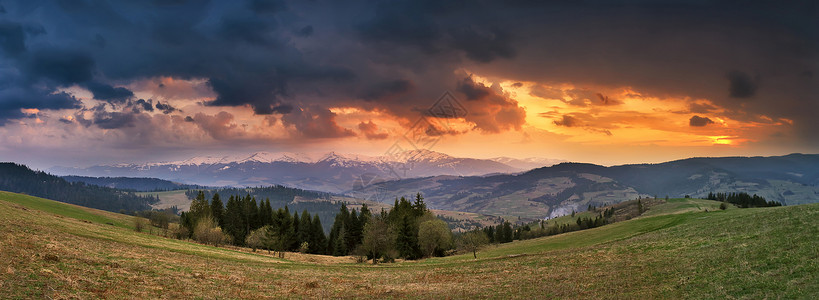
339 245
200 208
490 233
419 207
234 221
406 240
217 209
265 213
508 235
341 218
354 228
365 215
305 229
296 222
317 238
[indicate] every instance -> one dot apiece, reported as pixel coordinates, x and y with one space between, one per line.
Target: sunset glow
603 94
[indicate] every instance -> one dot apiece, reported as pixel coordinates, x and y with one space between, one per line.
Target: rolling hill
559 189
21 179
57 250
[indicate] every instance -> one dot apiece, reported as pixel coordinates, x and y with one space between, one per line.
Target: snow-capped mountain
332 172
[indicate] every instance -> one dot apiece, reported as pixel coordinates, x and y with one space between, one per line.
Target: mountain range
566 187
330 172
491 186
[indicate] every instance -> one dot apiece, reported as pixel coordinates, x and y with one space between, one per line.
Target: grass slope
50 249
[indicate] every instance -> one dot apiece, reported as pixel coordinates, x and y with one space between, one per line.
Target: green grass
681 205
681 252
67 210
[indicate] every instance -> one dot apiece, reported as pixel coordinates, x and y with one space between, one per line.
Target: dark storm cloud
697 121
63 66
109 93
113 120
165 108
483 45
316 122
144 105
302 57
283 109
11 38
388 89
741 84
305 31
701 108
13 99
267 6
489 107
472 90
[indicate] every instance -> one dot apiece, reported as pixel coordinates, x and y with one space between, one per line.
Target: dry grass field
60 251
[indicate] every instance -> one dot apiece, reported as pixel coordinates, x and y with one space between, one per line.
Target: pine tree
353 237
200 208
265 212
339 245
305 230
365 215
406 240
419 207
341 218
508 235
234 221
317 238
217 209
295 240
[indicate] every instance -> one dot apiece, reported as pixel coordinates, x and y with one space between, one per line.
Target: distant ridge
330 172
138 184
566 187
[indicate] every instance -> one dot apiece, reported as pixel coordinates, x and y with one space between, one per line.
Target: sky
608 82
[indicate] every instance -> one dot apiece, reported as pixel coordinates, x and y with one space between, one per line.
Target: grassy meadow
58 251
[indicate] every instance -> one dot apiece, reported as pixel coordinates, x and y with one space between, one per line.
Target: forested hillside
20 179
281 197
137 184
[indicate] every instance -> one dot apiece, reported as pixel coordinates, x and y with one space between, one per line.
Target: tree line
408 230
742 199
506 232
216 222
281 196
20 179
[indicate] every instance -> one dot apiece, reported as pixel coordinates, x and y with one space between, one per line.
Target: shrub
139 224
256 239
207 232
434 236
179 232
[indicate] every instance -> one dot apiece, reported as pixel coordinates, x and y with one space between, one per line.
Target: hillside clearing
51 250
